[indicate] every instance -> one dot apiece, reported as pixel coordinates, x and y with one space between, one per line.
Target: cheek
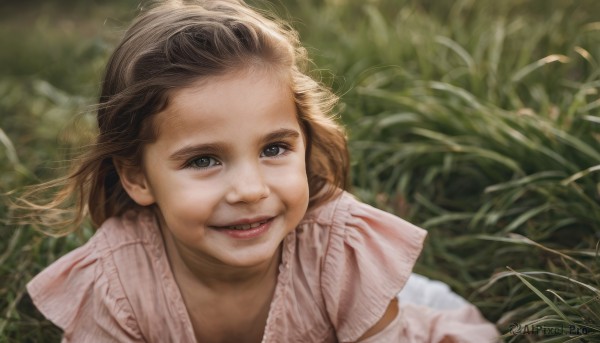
182 196
292 184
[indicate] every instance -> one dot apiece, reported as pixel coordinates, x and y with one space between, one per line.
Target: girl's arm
421 324
369 257
391 313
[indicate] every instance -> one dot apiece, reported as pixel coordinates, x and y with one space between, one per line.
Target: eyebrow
281 134
218 148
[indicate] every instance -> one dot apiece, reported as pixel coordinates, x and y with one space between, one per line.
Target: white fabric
420 290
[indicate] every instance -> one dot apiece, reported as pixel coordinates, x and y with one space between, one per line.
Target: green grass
478 120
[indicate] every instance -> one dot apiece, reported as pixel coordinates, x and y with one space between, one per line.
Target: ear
135 183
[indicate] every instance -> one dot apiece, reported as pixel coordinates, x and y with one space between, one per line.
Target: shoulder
133 227
346 220
82 291
365 257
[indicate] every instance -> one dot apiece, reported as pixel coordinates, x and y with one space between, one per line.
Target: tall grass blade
542 296
11 152
522 73
579 175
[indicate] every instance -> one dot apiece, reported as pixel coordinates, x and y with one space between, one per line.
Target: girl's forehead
237 81
238 95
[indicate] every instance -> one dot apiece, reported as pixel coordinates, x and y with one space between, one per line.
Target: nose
247 184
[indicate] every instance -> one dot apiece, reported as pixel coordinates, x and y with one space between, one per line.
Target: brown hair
169 46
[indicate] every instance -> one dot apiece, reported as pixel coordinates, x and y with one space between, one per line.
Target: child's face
227 170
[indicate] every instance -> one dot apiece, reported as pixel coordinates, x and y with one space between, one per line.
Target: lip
245 221
248 233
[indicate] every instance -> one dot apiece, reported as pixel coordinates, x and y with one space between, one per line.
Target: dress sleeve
369 257
80 294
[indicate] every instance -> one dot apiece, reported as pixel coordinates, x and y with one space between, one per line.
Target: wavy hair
169 46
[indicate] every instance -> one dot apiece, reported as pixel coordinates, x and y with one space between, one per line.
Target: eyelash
191 163
281 145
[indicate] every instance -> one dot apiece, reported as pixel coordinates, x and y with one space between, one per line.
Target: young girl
216 182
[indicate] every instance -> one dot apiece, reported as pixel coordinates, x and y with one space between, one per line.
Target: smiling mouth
242 227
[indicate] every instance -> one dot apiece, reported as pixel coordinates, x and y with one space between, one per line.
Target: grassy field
477 120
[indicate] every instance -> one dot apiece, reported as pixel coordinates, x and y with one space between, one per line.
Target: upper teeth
245 226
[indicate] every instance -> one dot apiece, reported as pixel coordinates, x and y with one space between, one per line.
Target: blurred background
478 120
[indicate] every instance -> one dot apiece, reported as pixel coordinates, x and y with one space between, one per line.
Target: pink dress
340 269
